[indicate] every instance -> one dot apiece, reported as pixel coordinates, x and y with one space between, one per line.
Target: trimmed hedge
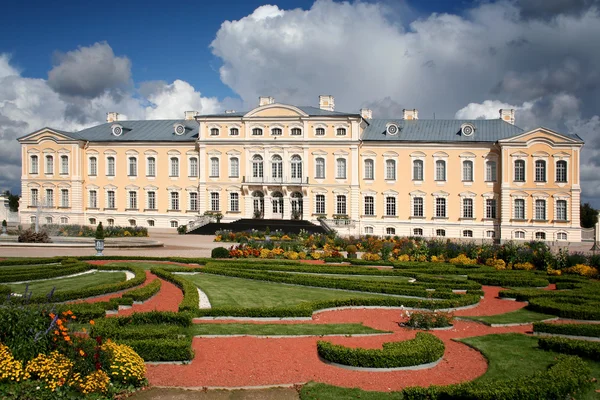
145 292
565 307
589 330
574 347
162 349
106 328
53 271
219 252
423 349
508 279
191 298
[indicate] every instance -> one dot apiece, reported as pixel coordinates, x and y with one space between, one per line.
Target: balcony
269 180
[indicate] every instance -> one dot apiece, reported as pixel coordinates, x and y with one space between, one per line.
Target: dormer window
257 132
276 132
341 131
179 129
467 129
296 131
214 132
117 130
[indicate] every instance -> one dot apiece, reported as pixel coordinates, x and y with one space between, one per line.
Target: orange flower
56 332
59 322
73 317
81 353
51 315
67 339
92 322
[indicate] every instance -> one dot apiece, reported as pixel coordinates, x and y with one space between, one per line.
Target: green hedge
508 280
191 298
590 330
43 273
565 307
162 349
108 328
574 347
4 291
145 292
423 349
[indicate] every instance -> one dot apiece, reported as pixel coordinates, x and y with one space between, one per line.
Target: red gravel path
167 299
491 304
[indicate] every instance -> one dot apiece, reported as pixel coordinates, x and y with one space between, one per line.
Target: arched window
257 132
390 231
214 132
174 167
418 170
277 205
276 131
151 171
174 224
540 235
296 132
110 166
258 202
277 167
132 166
561 236
34 167
418 232
519 170
297 205
519 209
467 171
320 132
64 165
49 165
234 132
320 168
234 167
368 230
440 170
561 171
440 232
296 165
341 168
193 167
467 233
257 166
214 167
540 171
519 235
93 166
369 174
490 171
561 210
390 169
341 131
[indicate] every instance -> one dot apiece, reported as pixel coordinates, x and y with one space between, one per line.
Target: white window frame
394 170
34 200
193 167
234 170
234 202
215 198
193 201
566 202
93 165
519 160
34 169
151 169
114 198
566 180
391 206
151 198
132 200
174 199
387 231
174 169
50 170
464 209
341 161
372 196
514 207
92 198
320 207
468 170
129 165
64 168
114 163
445 164
488 176
317 175
537 201
367 169
339 204
544 170
435 209
212 160
49 198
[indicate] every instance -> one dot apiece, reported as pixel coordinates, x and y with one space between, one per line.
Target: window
64 165
93 201
48 220
93 166
214 167
214 131
467 171
276 131
132 222
369 169
390 206
234 132
150 222
390 169
320 168
174 224
540 210
193 201
50 197
296 131
440 207
110 199
368 230
132 200
320 204
490 208
174 200
32 219
174 167
519 235
440 232
490 171
34 166
234 167
440 170
151 166
390 231
519 212
296 165
561 236
34 197
418 231
276 167
257 166
214 201
320 132
468 208
561 172
110 166
520 171
417 170
110 222
467 233
193 167
151 200
540 171
561 210
49 164
132 166
341 168
257 132
369 205
234 202
341 131
540 235
490 234
418 207
340 204
92 221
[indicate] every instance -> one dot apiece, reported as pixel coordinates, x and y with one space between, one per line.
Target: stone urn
99 246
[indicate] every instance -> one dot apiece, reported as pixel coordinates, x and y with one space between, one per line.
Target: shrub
423 349
463 260
219 252
145 292
351 249
10 369
428 320
371 257
30 236
191 298
497 264
526 266
100 232
575 347
126 366
182 229
583 270
162 349
590 330
565 307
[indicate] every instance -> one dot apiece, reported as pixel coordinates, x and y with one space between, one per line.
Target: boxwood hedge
589 330
574 347
145 292
565 307
162 349
191 298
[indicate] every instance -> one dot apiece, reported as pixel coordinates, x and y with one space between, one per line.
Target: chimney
229 111
507 115
366 113
265 100
112 116
190 115
410 114
326 103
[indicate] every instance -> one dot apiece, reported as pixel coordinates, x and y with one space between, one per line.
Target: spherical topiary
219 252
351 249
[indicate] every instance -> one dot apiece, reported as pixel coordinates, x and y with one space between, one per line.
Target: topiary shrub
100 232
219 252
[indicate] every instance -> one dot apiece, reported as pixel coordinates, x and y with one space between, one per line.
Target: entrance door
277 205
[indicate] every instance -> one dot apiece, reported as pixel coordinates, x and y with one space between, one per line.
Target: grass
281 329
374 278
73 283
515 317
237 292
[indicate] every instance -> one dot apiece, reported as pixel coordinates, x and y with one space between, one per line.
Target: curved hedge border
575 347
565 307
500 279
425 348
53 271
191 299
589 330
145 292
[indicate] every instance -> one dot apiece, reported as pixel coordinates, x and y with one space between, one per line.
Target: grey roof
310 110
140 131
440 130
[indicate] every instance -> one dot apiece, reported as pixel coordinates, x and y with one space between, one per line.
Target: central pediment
276 110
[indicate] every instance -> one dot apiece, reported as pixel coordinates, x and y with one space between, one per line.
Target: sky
65 64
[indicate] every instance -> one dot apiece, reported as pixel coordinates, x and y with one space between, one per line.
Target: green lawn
281 329
515 317
374 278
73 283
225 291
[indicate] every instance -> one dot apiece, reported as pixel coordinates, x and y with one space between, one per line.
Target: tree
13 201
589 216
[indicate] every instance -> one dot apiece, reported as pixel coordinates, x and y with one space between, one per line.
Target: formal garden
427 320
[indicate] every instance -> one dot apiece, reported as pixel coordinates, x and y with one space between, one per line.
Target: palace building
475 179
